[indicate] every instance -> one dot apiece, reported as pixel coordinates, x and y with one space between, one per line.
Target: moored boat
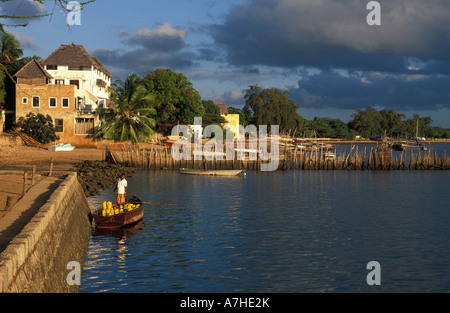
189 171
61 147
400 146
131 215
378 138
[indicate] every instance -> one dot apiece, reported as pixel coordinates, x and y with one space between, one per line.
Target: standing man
121 188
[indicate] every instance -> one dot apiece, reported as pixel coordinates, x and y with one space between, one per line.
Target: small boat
122 219
189 171
400 146
378 138
61 147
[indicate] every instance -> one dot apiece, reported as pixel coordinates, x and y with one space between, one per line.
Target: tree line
274 107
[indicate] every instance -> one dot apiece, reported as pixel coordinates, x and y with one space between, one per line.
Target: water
278 232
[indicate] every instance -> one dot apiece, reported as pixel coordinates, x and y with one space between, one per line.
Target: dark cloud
334 34
403 64
400 92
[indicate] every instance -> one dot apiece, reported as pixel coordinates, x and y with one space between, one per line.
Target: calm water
279 232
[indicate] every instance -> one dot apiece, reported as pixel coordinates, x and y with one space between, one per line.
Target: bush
40 128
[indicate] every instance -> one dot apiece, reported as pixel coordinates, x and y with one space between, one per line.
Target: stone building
69 86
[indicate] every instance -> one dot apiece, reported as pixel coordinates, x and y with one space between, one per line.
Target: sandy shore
14 160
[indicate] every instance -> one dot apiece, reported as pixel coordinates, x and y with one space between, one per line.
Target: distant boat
61 147
203 172
378 138
400 146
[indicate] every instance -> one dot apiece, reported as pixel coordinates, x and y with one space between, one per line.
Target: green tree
39 127
175 98
272 107
10 52
10 63
367 122
210 108
391 122
132 116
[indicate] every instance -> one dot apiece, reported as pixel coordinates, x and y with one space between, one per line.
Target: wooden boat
61 147
121 219
400 146
378 138
189 171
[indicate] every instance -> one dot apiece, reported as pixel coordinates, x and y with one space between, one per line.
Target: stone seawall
36 259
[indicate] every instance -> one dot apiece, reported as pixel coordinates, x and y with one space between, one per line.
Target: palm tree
132 116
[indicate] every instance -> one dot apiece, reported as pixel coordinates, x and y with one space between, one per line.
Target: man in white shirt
121 188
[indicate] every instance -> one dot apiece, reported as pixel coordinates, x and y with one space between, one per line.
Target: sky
324 52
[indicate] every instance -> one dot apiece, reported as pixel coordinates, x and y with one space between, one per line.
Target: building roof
223 108
32 70
74 55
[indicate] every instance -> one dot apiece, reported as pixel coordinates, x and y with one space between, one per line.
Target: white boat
189 171
61 147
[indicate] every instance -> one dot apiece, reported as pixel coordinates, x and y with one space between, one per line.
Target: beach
14 160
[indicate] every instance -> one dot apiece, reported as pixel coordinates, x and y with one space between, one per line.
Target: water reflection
119 233
292 231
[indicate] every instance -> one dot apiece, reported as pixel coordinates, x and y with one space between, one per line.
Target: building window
84 126
52 102
35 102
76 83
59 81
65 102
80 68
59 125
52 67
24 100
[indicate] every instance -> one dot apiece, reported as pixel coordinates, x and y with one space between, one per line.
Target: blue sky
322 51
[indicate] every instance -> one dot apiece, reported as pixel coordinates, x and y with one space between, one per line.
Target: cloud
401 92
334 34
154 48
164 38
22 8
140 60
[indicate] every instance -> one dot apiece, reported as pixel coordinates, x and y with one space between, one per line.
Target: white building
72 65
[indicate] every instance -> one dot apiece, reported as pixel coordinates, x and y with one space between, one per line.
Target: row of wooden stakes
375 159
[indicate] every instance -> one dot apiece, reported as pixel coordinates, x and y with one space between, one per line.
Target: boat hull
61 147
121 219
118 220
58 149
210 172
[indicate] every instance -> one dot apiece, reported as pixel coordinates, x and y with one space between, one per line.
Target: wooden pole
25 180
33 175
51 169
